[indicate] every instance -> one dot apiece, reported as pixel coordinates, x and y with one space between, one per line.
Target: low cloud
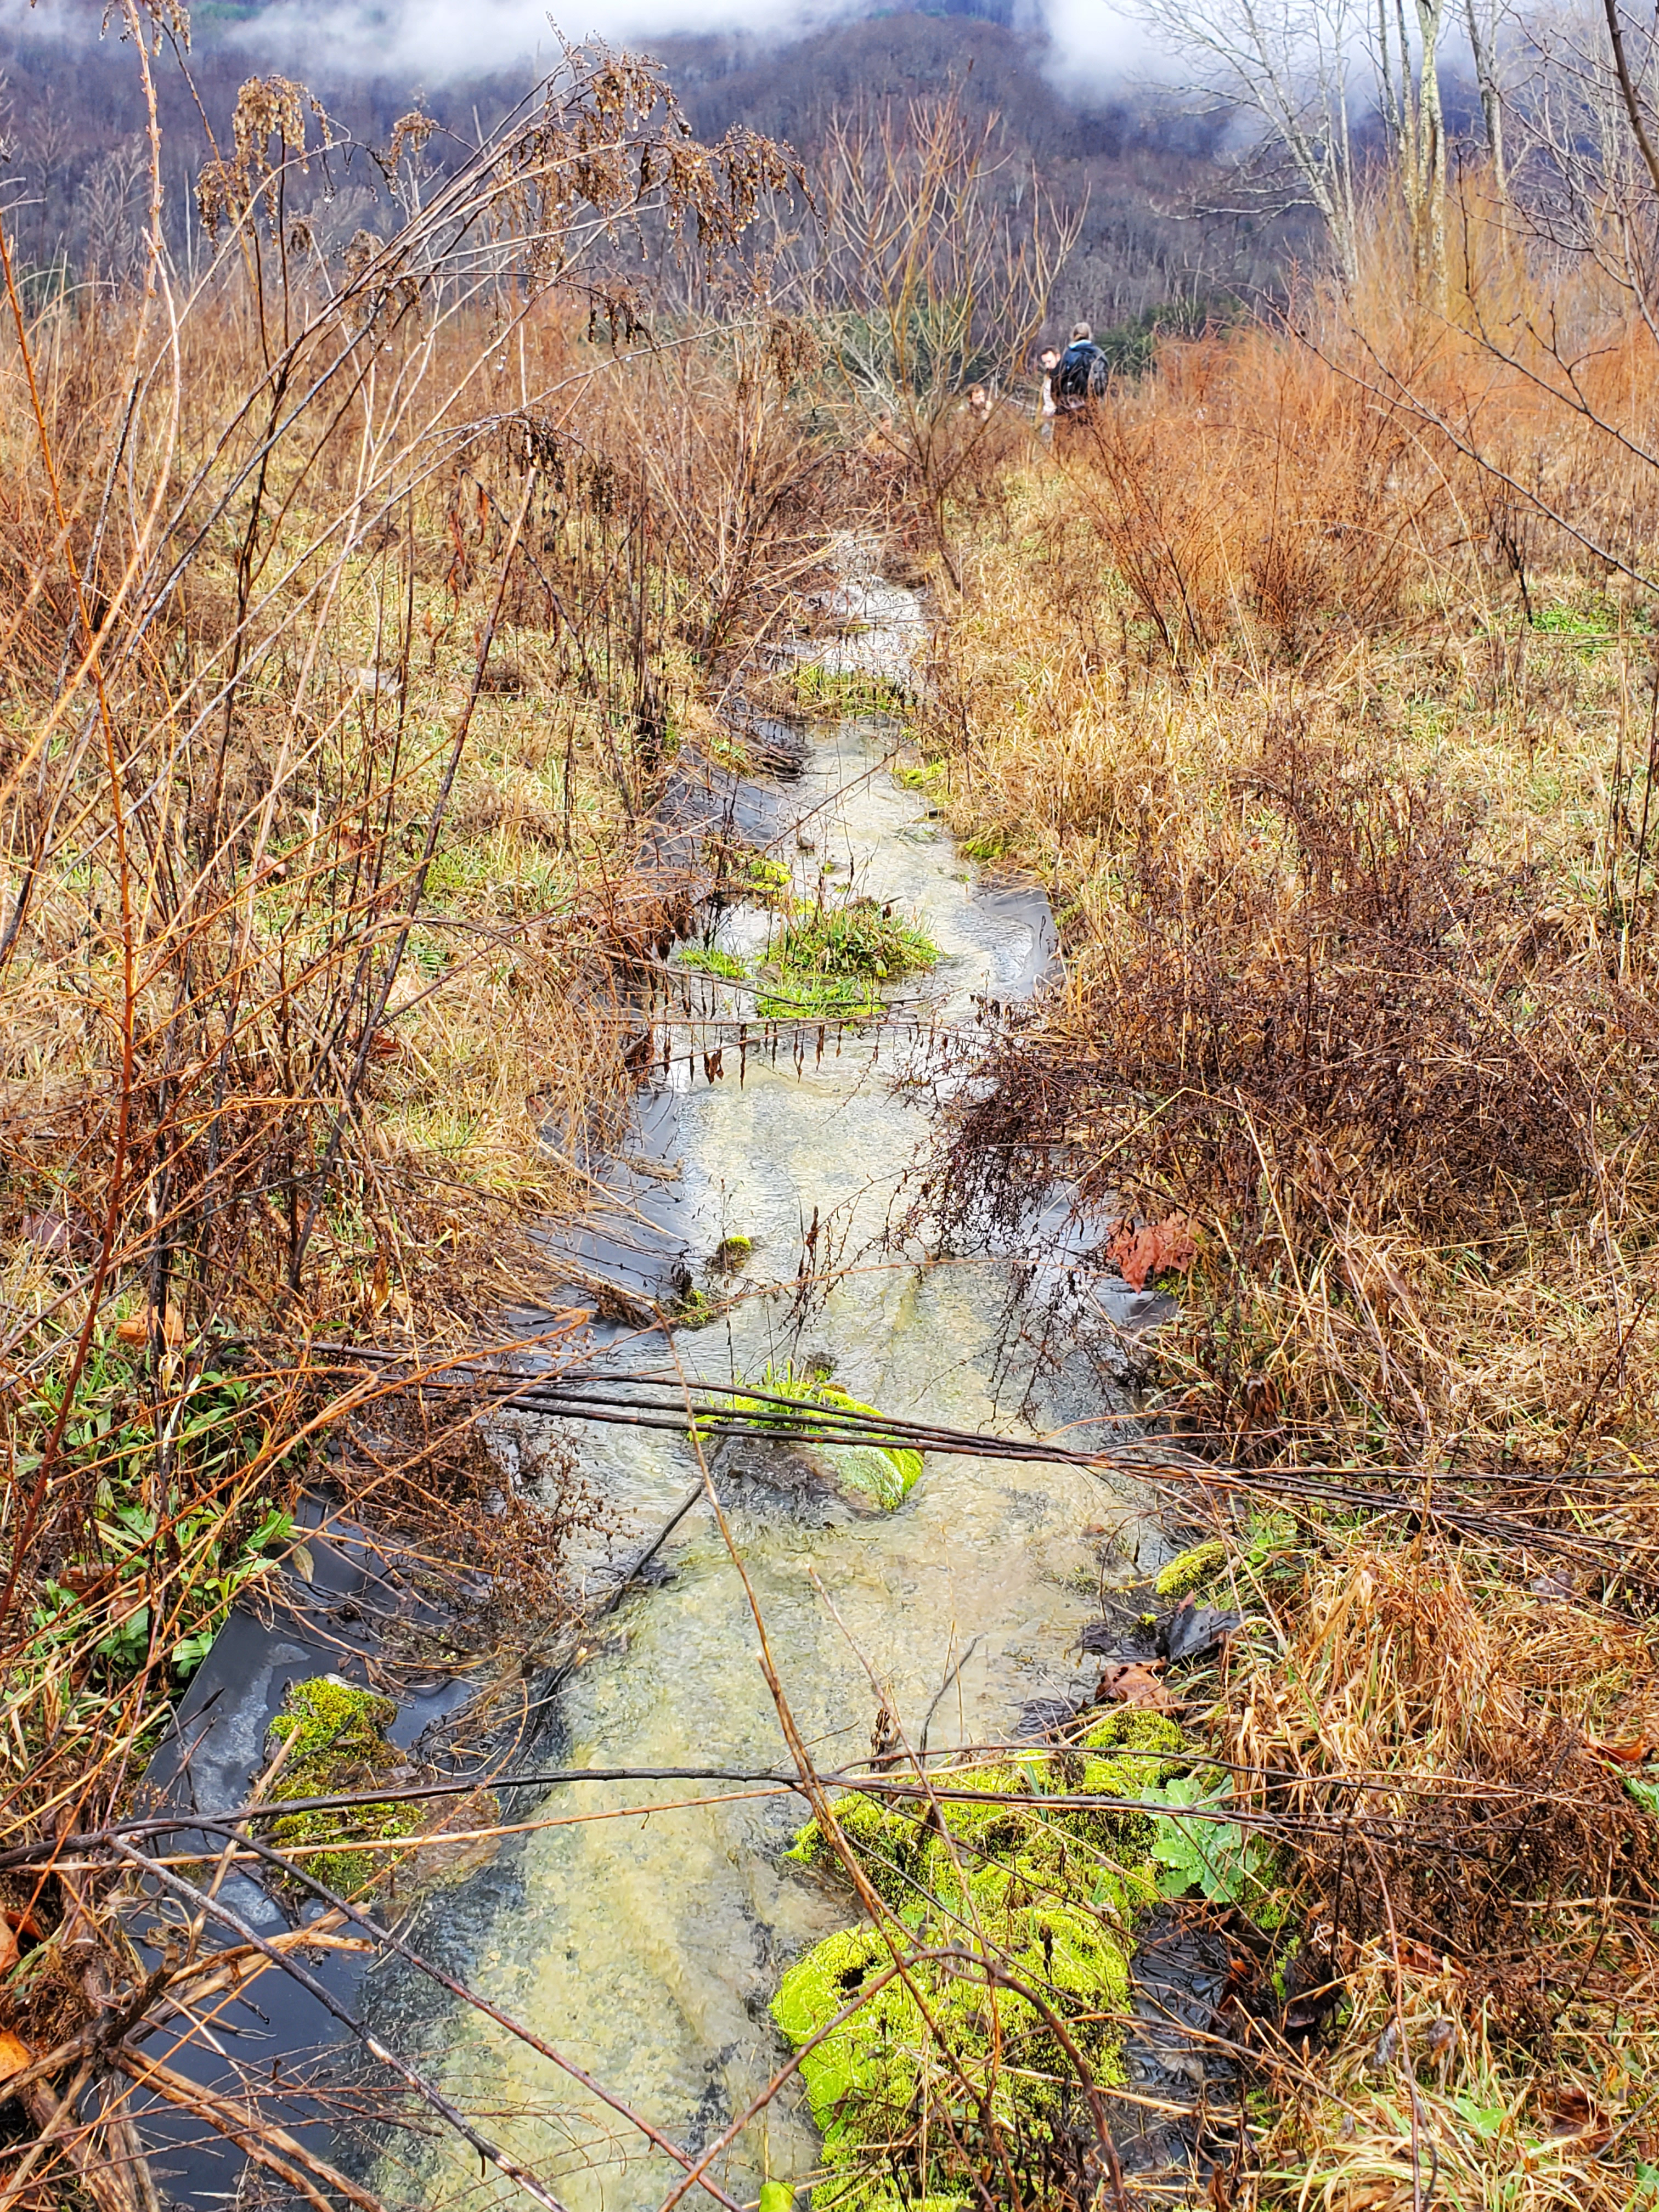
1087 43
1090 41
436 41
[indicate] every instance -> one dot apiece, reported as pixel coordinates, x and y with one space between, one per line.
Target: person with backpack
1081 375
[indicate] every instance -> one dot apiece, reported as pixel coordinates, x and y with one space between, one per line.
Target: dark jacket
1081 375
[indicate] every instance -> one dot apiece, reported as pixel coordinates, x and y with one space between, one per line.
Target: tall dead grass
1358 866
354 613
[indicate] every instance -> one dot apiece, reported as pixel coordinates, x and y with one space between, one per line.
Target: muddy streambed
648 1948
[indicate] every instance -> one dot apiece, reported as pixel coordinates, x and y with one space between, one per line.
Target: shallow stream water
647 1947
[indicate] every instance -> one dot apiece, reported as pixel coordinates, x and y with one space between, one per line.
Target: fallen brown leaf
1572 2111
1627 1754
86 1581
1157 1248
1127 1685
14 2054
135 1328
1419 1958
8 1951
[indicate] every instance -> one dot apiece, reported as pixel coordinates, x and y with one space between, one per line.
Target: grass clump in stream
709 960
828 961
833 691
954 2070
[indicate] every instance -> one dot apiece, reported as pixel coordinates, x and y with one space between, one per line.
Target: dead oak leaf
1129 1685
1627 1754
1140 1252
1573 2111
137 1328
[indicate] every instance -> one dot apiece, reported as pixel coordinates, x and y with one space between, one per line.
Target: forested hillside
1141 176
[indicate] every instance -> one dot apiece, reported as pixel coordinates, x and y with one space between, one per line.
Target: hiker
1047 362
1081 375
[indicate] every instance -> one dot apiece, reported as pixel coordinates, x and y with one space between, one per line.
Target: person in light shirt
1047 362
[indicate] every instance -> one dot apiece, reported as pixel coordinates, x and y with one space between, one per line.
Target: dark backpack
1082 373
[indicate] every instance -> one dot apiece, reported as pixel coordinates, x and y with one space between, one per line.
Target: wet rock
1193 1632
1039 1716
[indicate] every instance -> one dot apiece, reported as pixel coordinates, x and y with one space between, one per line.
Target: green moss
731 1253
885 1473
1187 1570
1052 1895
745 871
693 1309
764 879
339 1745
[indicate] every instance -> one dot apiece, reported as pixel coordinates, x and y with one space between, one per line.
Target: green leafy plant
1207 1853
208 1432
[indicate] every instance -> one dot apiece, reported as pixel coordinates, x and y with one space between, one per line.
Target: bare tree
1408 81
1481 22
930 267
1284 67
1305 75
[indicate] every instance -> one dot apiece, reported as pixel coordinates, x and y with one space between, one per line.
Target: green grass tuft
709 960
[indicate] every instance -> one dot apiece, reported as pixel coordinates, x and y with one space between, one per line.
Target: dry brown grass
1360 981
351 620
1337 752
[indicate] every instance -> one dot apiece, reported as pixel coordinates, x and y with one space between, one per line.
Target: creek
647 1947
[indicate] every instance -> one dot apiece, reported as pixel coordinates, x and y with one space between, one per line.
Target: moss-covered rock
885 1475
693 1309
337 1732
1189 1571
909 2089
